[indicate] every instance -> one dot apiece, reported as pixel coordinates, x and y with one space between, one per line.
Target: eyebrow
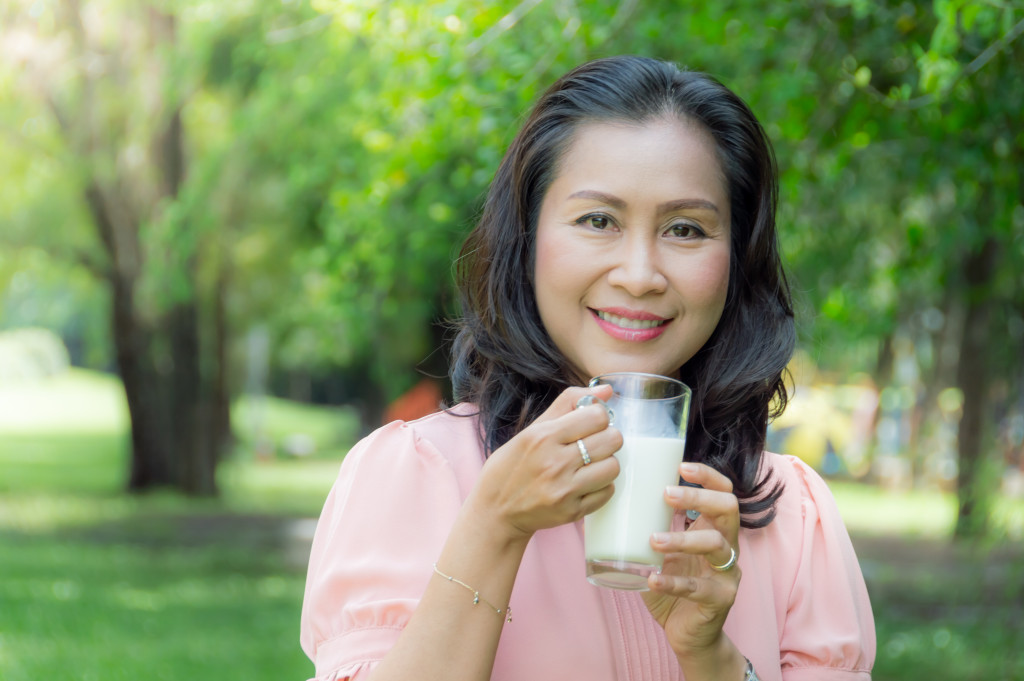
667 207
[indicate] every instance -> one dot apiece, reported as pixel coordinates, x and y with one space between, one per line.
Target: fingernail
685 468
660 537
674 492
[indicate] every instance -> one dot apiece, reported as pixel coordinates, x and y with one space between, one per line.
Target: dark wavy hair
505 362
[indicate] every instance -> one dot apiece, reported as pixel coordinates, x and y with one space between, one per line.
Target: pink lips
626 334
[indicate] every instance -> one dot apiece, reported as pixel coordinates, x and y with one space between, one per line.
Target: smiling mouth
627 323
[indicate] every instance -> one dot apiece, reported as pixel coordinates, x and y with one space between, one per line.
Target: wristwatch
750 675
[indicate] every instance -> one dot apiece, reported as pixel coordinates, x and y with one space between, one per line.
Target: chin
636 368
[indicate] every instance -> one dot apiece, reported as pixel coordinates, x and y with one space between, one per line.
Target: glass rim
667 379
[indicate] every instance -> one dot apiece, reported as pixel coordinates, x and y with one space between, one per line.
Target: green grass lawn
942 611
100 585
95 584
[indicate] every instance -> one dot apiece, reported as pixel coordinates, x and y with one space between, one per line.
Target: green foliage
339 151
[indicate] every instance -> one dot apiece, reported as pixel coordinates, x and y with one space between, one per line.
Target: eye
595 220
685 230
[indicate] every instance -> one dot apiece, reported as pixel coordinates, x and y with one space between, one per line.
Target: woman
630 227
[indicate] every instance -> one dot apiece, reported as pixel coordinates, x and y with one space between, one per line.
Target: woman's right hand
538 480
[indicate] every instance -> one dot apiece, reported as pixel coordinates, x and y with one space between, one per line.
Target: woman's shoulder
455 424
447 439
446 426
807 525
822 603
801 483
805 502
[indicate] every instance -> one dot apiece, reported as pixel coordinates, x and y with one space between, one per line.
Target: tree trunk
884 361
220 390
172 439
973 379
945 359
190 404
152 462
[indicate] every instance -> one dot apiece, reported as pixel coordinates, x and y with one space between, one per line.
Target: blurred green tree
312 169
106 78
134 134
906 166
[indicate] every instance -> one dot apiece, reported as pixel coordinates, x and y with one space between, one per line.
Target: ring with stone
584 454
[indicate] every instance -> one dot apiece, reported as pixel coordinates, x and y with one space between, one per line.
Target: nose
637 269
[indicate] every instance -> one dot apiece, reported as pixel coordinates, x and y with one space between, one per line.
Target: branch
622 15
503 25
987 55
58 252
101 218
73 10
17 138
992 50
60 115
572 26
303 30
95 266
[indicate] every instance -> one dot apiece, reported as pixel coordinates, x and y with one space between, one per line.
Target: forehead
661 155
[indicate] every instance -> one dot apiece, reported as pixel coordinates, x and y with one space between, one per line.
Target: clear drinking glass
651 412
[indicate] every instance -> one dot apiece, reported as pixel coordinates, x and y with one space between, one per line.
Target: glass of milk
651 412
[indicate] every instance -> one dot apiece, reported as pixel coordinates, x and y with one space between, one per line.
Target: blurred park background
226 236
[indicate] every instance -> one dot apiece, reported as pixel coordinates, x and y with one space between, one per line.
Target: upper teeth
627 323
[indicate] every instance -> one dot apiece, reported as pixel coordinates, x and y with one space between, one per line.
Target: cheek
546 273
710 284
553 264
723 268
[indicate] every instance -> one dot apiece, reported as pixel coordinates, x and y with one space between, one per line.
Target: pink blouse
802 612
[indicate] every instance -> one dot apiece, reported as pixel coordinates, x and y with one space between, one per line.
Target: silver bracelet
750 674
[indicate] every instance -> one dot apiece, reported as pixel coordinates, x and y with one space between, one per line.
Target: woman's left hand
690 599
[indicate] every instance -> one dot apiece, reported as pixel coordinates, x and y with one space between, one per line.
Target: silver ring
728 564
583 452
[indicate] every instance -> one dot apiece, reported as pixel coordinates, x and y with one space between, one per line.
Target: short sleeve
829 630
382 527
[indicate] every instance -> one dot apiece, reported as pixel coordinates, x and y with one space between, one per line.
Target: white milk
622 528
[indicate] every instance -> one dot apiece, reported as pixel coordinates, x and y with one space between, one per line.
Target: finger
596 475
705 476
563 424
600 445
708 543
706 501
717 593
565 403
576 425
594 500
581 423
720 509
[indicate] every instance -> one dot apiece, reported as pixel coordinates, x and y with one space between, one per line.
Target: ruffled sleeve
829 630
382 527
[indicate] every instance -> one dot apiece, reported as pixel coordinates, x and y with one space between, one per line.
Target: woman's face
632 264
